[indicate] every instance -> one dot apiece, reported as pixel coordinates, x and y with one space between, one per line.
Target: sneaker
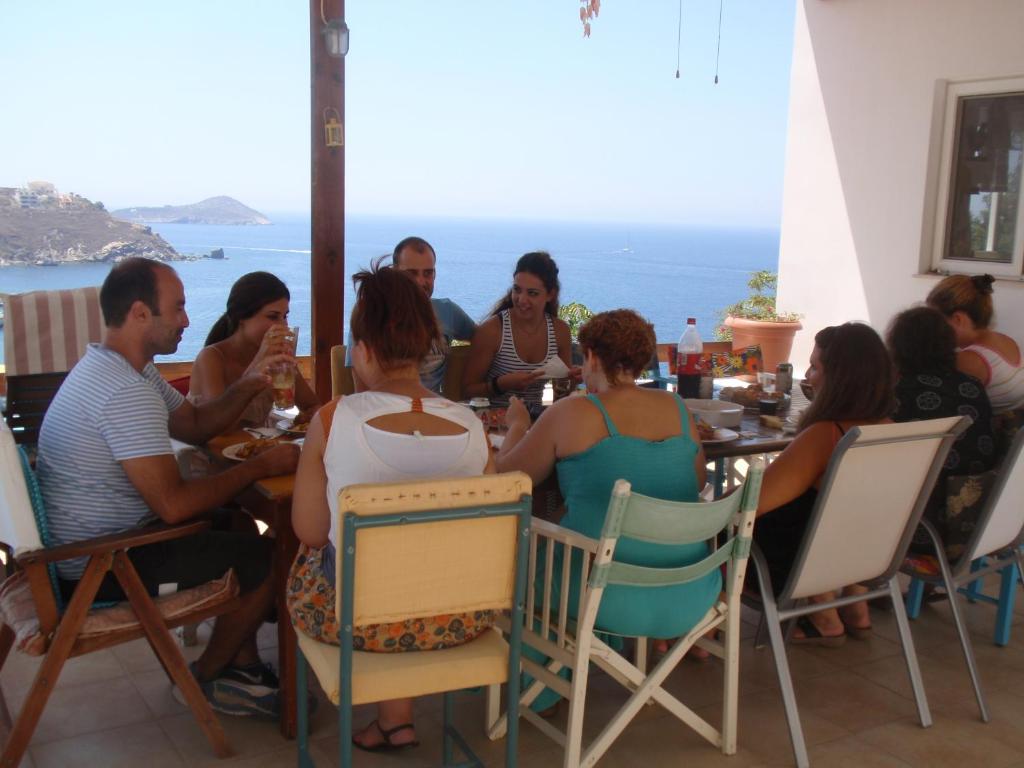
226 707
255 692
257 673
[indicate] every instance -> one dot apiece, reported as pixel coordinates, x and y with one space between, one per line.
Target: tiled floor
115 708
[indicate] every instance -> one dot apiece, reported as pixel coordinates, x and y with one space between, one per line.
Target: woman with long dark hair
522 334
852 378
246 339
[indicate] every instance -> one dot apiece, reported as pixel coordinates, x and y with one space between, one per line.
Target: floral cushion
18 610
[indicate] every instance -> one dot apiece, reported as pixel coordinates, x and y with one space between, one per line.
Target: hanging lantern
335 34
334 131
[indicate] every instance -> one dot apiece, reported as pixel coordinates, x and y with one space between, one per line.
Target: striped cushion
47 331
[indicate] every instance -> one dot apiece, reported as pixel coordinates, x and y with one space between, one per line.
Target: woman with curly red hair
619 430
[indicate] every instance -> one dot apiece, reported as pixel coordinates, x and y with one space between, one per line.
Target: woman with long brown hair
852 378
522 334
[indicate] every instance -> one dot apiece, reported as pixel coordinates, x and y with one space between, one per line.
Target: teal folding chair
572 634
419 549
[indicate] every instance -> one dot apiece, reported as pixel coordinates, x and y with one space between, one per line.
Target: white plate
288 425
231 452
722 435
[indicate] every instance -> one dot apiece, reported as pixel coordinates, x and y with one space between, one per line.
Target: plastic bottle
688 356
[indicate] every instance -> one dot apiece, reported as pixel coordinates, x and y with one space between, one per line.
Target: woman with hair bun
522 334
394 430
242 341
619 430
989 356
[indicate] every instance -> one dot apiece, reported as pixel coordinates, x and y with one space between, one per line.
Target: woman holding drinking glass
251 335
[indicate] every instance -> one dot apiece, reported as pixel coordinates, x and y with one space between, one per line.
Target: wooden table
755 438
270 501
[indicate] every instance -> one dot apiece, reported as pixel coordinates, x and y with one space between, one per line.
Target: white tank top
358 453
1005 386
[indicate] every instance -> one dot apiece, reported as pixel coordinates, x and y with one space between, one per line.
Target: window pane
985 198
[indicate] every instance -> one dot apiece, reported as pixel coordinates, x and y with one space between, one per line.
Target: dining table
270 501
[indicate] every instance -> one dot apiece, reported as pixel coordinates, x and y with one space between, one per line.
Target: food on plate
705 431
256 447
750 397
299 428
493 418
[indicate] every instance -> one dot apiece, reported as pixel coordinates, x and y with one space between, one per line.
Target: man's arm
196 424
174 499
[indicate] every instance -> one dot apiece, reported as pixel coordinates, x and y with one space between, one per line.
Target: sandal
387 745
813 636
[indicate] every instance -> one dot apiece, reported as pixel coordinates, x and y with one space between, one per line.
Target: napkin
554 369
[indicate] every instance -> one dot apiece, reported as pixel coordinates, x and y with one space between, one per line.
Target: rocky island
44 227
214 210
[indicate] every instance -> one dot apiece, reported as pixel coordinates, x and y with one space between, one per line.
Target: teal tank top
662 469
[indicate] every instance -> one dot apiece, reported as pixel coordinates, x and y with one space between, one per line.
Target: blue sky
453 108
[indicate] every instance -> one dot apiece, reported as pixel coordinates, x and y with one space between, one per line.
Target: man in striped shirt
106 465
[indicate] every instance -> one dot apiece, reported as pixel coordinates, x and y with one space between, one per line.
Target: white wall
862 149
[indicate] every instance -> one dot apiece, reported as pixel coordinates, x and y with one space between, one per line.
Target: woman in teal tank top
620 431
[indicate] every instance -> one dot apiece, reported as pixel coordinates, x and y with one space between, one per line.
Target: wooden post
327 270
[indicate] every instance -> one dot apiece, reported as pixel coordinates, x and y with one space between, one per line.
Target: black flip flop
387 745
813 636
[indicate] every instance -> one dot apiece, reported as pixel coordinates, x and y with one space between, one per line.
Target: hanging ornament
718 48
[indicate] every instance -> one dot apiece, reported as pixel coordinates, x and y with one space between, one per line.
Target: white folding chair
870 501
994 546
565 633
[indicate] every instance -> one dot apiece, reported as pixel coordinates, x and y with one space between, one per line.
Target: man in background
416 257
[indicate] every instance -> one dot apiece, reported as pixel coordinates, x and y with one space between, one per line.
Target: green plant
575 315
759 305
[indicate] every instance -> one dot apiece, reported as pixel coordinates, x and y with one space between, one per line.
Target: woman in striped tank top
521 335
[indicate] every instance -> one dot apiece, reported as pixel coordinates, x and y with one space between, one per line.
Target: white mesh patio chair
416 549
565 633
870 501
994 545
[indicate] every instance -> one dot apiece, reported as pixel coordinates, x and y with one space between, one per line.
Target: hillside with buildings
40 225
213 210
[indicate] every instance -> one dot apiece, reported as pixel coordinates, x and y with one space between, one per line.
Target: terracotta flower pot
775 339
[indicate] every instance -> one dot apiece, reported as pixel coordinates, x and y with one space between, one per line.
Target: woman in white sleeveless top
989 356
522 334
396 430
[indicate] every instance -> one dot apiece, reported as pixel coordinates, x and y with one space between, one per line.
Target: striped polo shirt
105 412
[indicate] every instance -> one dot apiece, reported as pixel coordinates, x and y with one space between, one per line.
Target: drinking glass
282 380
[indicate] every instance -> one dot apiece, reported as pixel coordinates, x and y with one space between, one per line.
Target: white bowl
715 413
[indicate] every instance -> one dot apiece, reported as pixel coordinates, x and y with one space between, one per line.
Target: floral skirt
311 599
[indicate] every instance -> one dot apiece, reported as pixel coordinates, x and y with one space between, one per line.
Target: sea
666 273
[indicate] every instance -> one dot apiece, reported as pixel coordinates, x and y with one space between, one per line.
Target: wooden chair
45 334
467 538
456 366
342 382
994 547
33 618
870 501
573 636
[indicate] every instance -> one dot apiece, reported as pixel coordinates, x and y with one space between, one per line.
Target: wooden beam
327 270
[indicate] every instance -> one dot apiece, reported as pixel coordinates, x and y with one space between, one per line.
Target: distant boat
627 249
